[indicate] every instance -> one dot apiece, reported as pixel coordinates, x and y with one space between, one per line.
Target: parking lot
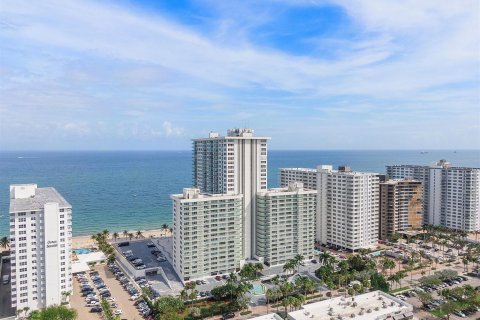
120 298
6 309
154 257
421 313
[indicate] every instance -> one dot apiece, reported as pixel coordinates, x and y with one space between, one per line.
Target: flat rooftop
367 306
270 316
38 201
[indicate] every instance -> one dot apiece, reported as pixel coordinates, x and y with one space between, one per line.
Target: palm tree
269 294
105 233
125 233
138 234
326 259
26 309
66 294
299 261
165 229
130 235
115 236
4 242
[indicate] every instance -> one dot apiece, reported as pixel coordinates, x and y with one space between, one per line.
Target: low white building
41 245
368 306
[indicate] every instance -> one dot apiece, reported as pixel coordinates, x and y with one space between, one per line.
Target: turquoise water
82 251
257 289
130 190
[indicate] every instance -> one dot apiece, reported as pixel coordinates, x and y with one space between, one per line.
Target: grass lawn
399 290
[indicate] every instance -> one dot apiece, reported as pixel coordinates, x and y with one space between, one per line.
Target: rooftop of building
236 133
194 194
371 305
292 188
270 316
342 169
397 181
38 200
299 169
442 163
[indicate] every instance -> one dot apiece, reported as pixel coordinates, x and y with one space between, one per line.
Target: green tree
425 297
53 313
4 242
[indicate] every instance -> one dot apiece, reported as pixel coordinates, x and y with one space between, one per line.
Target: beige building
401 206
285 223
208 233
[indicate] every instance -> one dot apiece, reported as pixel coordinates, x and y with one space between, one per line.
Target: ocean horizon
119 190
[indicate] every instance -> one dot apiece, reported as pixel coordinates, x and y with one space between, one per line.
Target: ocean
130 189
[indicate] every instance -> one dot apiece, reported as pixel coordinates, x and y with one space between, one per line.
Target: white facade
347 204
461 198
285 223
348 208
208 233
41 244
234 164
451 194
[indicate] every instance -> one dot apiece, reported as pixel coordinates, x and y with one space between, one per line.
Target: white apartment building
208 233
461 198
285 223
41 244
451 194
347 208
307 176
347 204
233 164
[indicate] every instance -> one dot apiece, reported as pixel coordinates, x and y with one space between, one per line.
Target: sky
326 74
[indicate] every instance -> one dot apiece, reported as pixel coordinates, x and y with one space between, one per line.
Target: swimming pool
257 289
82 251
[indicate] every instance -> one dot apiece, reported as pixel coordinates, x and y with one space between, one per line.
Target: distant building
208 233
233 164
367 306
401 206
40 246
307 176
451 194
285 223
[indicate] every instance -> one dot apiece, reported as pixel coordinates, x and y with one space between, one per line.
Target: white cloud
170 130
89 61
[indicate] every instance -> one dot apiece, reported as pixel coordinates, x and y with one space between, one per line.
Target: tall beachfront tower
41 245
233 164
451 194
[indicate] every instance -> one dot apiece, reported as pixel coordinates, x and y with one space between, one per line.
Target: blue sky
326 74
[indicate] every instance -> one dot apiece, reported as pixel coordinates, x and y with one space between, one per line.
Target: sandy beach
87 242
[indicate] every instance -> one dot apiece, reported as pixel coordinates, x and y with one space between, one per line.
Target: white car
111 299
117 312
135 297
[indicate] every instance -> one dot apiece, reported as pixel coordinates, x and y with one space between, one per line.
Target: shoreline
85 241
